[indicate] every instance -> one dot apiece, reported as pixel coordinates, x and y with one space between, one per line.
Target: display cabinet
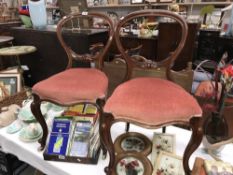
123 7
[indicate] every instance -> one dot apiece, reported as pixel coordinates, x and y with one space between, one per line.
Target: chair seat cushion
73 85
152 101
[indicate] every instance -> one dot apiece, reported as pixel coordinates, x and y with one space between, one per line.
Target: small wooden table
16 51
5 39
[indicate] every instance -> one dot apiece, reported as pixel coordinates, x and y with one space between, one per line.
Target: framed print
213 167
168 163
136 1
162 142
132 164
10 84
133 142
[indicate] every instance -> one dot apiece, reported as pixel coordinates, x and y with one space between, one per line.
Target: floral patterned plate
133 142
132 164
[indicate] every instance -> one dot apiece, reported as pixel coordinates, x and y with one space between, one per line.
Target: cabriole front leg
35 108
194 142
106 140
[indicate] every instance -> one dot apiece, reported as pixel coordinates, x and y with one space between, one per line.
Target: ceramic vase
37 11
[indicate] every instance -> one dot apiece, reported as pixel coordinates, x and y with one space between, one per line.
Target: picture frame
132 163
133 142
168 163
162 142
217 167
136 1
10 84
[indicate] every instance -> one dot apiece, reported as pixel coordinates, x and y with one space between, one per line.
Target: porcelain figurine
7 116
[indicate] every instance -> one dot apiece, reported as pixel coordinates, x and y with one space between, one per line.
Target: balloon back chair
148 101
76 84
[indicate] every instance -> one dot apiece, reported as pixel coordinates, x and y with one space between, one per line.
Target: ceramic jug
37 11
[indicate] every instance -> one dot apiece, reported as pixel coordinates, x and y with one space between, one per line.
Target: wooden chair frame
108 119
97 57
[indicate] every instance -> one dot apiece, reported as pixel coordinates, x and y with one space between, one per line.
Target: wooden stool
16 51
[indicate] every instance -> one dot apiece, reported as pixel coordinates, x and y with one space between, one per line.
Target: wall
8 10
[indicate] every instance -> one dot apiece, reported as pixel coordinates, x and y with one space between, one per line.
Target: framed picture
218 167
168 163
10 84
136 1
162 142
133 142
132 164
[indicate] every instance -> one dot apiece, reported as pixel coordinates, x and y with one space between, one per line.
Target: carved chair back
77 30
150 20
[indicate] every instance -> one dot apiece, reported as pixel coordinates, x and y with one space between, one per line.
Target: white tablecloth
27 152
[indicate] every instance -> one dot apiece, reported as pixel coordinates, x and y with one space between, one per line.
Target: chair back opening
144 25
75 29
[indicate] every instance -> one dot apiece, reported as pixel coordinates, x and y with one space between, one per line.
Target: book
77 108
82 112
213 167
74 110
58 144
59 137
90 109
79 145
61 126
86 118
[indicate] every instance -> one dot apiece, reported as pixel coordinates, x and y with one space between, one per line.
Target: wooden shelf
158 4
117 6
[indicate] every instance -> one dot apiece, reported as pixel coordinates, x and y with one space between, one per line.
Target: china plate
29 117
133 142
132 163
14 127
23 135
32 139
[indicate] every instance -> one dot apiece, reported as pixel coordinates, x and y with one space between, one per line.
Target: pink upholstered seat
152 100
73 85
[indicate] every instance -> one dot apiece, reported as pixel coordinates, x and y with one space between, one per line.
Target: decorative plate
133 142
132 163
29 135
14 127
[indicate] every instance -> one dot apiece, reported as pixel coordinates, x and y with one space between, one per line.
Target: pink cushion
73 85
152 101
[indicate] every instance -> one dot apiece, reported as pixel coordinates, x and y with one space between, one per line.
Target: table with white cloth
28 152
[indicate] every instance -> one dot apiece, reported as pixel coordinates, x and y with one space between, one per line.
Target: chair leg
100 103
164 129
35 108
196 124
106 141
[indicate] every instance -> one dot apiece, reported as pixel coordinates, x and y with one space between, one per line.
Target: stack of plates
30 134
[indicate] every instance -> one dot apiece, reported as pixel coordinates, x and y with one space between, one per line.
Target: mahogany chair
76 84
151 102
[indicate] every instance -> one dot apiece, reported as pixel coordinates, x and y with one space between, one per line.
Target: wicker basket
14 99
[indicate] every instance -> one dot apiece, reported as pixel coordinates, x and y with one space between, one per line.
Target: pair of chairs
147 101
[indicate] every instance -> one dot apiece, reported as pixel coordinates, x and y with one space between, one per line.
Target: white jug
37 11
